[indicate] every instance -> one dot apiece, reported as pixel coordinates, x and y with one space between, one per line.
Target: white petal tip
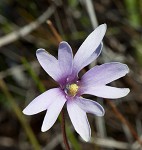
40 50
103 26
63 42
24 112
43 129
101 114
27 112
86 139
127 68
127 90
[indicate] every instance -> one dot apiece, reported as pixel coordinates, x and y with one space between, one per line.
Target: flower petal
106 91
79 120
65 57
104 74
90 106
42 102
93 56
53 112
49 63
88 47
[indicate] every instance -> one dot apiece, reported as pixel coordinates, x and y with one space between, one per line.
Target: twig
11 37
136 144
110 143
19 115
57 36
123 120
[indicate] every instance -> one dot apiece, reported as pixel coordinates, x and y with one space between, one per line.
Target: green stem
39 84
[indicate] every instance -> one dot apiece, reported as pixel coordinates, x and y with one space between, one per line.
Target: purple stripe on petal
65 58
90 106
79 120
104 74
53 112
49 63
88 47
106 91
42 102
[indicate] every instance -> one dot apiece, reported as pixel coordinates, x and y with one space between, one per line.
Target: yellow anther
72 89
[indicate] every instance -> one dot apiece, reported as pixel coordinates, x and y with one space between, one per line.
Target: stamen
72 89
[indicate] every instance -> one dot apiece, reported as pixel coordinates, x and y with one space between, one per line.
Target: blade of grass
20 116
34 76
133 13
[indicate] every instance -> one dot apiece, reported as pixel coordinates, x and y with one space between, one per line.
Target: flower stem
64 130
123 120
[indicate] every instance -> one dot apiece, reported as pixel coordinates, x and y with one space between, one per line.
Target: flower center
72 89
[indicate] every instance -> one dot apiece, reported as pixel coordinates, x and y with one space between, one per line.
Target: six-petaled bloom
65 71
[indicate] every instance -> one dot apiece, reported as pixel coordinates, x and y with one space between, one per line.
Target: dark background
22 79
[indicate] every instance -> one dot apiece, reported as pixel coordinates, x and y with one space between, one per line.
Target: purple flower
65 71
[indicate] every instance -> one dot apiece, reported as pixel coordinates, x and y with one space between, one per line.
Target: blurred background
23 29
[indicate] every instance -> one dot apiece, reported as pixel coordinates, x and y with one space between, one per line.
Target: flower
65 71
